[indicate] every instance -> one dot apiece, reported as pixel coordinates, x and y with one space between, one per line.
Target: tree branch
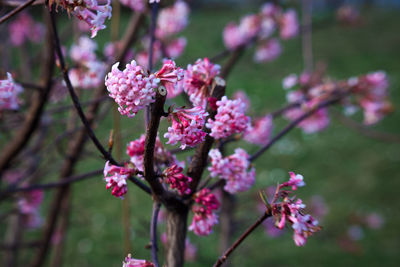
153 233
15 11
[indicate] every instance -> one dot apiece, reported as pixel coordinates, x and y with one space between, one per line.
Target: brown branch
293 124
249 230
199 161
16 11
33 116
153 233
235 56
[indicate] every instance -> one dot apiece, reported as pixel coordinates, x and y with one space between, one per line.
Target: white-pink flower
289 25
131 262
187 126
230 118
29 205
9 91
289 81
90 11
132 89
198 79
260 132
268 51
115 177
204 217
172 20
234 169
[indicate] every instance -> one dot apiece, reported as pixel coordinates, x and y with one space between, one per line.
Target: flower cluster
131 88
162 157
131 262
234 169
259 28
372 96
29 205
260 132
204 217
89 71
90 11
137 5
24 28
187 125
198 79
115 177
290 210
9 91
230 118
172 20
176 180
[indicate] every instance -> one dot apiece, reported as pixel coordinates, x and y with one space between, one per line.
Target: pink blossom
270 10
115 177
174 91
172 20
374 220
289 81
232 36
169 75
243 98
204 217
187 125
176 47
289 25
234 169
9 91
260 132
198 79
291 210
268 51
89 11
142 57
250 26
131 262
25 28
137 5
90 75
131 88
83 50
230 118
29 205
162 157
176 180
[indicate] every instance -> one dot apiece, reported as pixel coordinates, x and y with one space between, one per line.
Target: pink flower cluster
234 169
372 95
198 79
259 28
132 89
187 125
90 11
290 210
24 28
230 118
137 5
115 177
89 71
9 91
260 132
204 217
131 262
172 20
176 180
29 205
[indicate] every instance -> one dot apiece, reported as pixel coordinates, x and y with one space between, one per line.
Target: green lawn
352 172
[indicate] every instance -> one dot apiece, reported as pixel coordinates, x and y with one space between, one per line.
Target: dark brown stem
176 236
153 233
157 110
199 161
235 56
74 97
15 11
249 230
227 223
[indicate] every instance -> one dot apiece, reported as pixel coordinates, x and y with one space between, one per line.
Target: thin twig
16 11
292 125
153 233
249 230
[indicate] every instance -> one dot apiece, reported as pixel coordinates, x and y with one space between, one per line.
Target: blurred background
352 176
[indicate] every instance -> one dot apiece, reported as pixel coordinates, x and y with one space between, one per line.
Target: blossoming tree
203 127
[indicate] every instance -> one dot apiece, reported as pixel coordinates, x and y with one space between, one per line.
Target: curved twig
15 11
